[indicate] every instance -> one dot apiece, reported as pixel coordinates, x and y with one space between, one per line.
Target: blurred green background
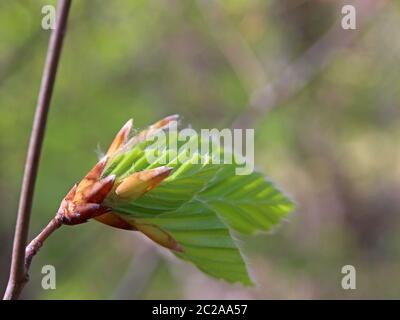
324 103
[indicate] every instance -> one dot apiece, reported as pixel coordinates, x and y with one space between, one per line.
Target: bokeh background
324 103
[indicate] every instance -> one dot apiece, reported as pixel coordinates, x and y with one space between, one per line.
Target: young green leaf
185 202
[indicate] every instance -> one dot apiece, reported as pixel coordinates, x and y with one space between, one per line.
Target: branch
33 248
233 46
139 273
297 75
18 272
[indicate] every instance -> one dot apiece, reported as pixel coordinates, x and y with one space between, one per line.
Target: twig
18 272
35 245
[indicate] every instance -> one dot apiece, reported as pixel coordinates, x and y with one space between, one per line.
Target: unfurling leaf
181 200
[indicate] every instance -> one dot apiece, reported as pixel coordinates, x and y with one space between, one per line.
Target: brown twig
35 245
18 272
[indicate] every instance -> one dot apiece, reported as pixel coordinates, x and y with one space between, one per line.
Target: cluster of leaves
201 205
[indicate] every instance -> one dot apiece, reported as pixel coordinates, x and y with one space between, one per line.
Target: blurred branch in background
297 75
234 47
13 60
139 272
22 54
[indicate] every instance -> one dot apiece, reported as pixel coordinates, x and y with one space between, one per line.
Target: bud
91 177
85 200
141 182
120 139
159 236
113 220
150 131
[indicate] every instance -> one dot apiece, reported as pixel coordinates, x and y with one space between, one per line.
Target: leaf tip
177 247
